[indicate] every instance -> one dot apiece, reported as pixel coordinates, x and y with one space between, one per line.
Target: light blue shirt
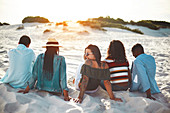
59 79
21 61
143 74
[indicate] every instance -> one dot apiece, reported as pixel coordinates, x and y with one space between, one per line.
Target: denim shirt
143 74
58 82
21 61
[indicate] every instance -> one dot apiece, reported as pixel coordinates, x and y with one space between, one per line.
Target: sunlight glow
60 10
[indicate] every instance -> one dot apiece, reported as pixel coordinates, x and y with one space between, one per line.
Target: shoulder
59 57
40 55
109 60
138 61
11 51
143 57
151 56
104 65
28 51
31 50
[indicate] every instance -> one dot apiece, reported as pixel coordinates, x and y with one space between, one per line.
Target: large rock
1 24
31 19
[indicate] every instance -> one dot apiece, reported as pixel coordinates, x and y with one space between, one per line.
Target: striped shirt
118 71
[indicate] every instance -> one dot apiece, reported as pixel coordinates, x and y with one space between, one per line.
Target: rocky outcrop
31 19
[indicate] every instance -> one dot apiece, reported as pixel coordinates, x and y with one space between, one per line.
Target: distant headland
31 19
100 22
1 24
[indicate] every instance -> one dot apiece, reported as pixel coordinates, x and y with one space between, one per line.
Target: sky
14 11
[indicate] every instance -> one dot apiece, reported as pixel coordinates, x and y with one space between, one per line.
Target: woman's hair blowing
96 52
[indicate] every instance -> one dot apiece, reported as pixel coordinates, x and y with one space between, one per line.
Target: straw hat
52 42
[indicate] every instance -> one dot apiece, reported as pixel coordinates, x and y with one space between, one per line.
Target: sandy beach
74 39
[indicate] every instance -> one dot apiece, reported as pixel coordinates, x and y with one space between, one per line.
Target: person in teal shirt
143 72
49 71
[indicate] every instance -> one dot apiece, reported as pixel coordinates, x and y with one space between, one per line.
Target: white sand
155 43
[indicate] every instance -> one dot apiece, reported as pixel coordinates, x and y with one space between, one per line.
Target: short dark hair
137 47
25 40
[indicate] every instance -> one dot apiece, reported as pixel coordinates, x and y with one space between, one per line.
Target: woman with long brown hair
120 76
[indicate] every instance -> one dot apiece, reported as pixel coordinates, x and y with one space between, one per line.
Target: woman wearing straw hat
49 71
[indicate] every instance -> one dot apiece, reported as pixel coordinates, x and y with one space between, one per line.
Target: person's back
59 75
49 71
120 76
95 73
21 61
149 63
143 72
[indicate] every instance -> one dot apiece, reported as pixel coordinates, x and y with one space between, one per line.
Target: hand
67 98
77 100
152 98
117 99
23 91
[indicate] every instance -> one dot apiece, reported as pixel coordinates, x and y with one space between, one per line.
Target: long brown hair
96 52
48 61
116 51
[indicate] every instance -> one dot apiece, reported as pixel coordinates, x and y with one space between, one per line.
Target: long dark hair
116 51
48 61
96 52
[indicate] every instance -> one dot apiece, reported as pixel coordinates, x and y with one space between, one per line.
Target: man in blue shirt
143 72
21 62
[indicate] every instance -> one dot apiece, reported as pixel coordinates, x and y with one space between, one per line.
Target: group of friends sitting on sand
48 71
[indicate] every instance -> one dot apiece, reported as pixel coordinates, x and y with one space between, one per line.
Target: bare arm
83 86
108 86
109 90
